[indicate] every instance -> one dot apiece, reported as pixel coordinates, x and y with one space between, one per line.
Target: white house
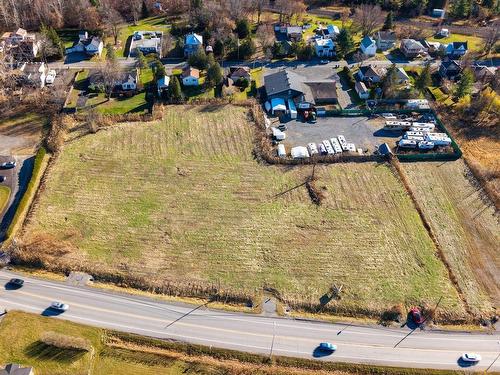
128 80
332 31
92 45
324 47
162 84
402 76
362 91
34 73
386 40
190 76
368 46
192 42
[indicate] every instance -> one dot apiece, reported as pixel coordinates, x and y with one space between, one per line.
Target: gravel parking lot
363 132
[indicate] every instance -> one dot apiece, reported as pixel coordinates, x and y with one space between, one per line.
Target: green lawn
202 210
257 76
475 44
4 196
118 106
156 23
68 36
78 86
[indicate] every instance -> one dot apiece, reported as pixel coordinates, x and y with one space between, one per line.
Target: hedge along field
184 200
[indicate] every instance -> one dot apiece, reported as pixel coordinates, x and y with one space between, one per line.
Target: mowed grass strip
184 200
465 226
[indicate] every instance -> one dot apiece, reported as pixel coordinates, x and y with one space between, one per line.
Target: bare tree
492 38
258 6
368 18
265 35
113 19
108 74
135 9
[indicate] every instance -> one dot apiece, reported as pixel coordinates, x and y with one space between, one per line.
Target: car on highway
470 357
2 178
17 283
8 165
59 306
416 315
327 347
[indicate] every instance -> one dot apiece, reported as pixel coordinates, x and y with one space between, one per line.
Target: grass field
21 132
465 226
4 196
474 43
184 200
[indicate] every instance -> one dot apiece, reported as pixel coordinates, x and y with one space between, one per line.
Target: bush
242 83
61 341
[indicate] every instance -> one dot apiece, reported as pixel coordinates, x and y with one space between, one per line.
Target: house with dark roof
33 74
284 84
239 72
323 92
371 73
16 369
386 40
368 46
449 69
456 49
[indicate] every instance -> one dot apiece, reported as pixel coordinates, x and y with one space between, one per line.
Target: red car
416 315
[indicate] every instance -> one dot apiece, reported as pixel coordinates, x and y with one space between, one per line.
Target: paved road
359 344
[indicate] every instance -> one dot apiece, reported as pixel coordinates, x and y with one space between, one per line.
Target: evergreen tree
424 79
388 24
144 10
214 75
242 28
158 70
55 47
464 86
174 90
141 60
219 48
247 49
389 82
198 59
345 43
110 53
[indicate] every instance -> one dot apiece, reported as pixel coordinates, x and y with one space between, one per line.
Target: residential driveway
363 132
17 179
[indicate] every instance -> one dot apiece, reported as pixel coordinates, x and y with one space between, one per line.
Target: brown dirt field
465 225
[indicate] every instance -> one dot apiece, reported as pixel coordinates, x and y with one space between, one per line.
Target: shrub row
61 341
23 206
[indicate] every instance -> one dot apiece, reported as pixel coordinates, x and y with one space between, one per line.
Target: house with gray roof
16 369
368 46
386 40
412 48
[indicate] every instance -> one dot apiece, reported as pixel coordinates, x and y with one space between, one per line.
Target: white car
51 76
56 305
389 116
471 357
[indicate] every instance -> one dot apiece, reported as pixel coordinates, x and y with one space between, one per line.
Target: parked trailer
343 142
313 150
407 143
292 108
413 134
299 152
425 145
329 148
438 141
278 134
336 145
422 126
322 149
414 138
281 150
351 147
397 125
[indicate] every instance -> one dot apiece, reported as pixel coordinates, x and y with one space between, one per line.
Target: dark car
416 315
16 283
2 178
8 165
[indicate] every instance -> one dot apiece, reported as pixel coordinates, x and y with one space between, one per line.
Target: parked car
2 178
470 357
51 76
323 62
8 165
16 282
327 347
59 306
389 116
416 315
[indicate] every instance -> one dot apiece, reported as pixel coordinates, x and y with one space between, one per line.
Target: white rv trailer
407 143
336 145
